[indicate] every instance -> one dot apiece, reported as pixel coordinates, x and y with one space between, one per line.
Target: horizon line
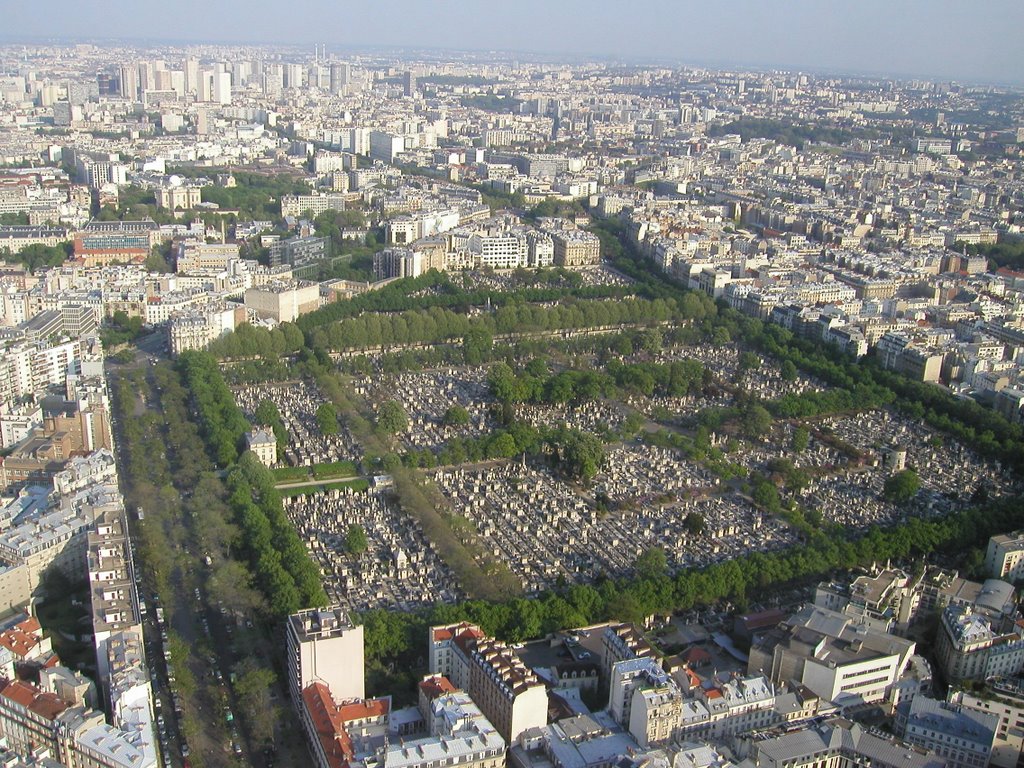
563 57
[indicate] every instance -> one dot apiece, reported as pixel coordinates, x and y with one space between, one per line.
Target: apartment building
325 646
499 249
509 694
299 205
718 708
621 642
963 736
975 644
33 721
1004 558
45 537
838 743
458 733
1004 698
646 700
448 651
112 580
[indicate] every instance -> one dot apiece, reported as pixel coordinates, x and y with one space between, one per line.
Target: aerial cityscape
435 386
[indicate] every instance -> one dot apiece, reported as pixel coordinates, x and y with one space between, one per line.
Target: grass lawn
359 484
289 474
334 469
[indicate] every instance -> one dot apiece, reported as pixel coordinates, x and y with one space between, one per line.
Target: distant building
299 205
300 252
180 198
101 243
197 327
283 302
262 443
194 256
576 248
16 238
934 146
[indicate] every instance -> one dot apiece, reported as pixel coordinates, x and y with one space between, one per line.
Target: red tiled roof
30 625
468 638
694 678
330 730
46 705
360 710
436 686
18 692
697 656
460 629
18 642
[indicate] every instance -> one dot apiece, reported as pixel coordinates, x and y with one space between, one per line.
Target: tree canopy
901 487
392 418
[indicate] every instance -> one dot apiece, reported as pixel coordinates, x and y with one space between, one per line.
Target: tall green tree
392 418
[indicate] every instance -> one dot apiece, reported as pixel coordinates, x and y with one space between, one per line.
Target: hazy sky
981 40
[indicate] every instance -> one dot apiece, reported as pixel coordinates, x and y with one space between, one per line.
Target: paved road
228 638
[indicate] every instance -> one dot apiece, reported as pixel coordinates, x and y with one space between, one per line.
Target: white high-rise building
205 85
222 87
324 646
192 76
129 82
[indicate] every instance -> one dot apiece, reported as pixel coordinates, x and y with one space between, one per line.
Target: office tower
293 75
341 75
192 76
107 84
273 80
162 79
129 76
205 85
409 84
241 73
145 77
222 87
